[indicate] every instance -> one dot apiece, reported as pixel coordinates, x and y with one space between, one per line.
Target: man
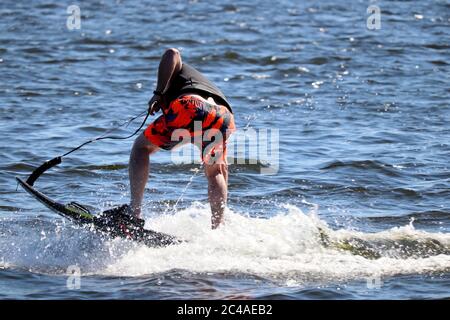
189 102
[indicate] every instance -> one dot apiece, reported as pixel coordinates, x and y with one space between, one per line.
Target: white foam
4 265
287 245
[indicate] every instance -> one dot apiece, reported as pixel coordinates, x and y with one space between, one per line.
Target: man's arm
169 66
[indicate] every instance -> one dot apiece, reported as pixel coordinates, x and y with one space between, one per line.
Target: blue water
362 192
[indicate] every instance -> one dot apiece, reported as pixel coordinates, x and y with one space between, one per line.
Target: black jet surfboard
85 216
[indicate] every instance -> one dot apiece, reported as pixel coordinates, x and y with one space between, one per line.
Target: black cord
102 137
55 161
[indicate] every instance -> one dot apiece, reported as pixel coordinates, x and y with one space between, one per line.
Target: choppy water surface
359 208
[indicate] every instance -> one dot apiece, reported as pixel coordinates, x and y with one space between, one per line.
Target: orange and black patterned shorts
192 119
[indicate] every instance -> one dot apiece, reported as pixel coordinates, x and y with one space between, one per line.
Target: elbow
174 56
172 52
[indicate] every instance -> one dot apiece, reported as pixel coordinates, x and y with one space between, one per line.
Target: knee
142 145
215 170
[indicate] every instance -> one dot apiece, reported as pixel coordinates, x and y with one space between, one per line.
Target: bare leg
138 170
217 175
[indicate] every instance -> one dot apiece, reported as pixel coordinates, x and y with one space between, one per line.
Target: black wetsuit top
190 80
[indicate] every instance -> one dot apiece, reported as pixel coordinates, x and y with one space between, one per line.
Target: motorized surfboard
86 216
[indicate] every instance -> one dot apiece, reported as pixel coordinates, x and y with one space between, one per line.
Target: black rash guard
190 80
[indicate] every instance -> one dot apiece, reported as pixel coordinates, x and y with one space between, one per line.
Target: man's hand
155 104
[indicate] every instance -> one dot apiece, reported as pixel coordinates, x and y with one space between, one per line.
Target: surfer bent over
190 102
